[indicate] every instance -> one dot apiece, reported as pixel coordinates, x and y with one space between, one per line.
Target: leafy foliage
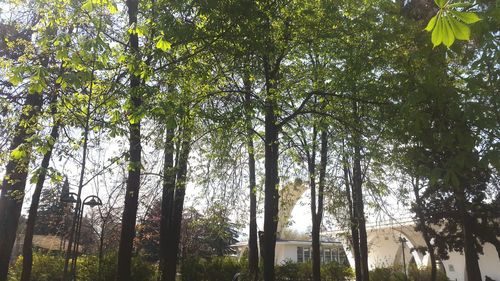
450 24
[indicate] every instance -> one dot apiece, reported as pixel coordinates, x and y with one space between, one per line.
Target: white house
300 251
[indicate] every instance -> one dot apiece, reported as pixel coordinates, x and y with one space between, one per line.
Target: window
335 257
342 256
307 254
328 255
300 254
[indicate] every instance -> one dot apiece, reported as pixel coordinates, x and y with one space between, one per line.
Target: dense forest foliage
146 102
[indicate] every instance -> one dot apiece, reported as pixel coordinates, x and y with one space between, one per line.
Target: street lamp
72 251
90 201
70 198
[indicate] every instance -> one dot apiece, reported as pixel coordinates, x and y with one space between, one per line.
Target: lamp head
93 202
69 198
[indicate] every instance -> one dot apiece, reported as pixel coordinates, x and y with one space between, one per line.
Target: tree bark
317 211
167 200
35 200
134 172
422 225
311 167
253 250
352 223
358 198
271 200
172 246
14 182
470 252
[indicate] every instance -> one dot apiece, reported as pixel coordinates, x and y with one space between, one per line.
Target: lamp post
90 201
72 251
71 198
403 241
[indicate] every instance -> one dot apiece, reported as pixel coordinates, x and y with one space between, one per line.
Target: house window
307 254
342 256
328 255
300 254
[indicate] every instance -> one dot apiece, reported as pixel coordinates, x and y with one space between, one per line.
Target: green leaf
87 6
432 23
467 17
460 30
112 8
18 153
163 45
440 3
15 79
437 33
448 37
460 5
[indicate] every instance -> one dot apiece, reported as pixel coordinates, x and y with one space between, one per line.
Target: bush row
50 267
47 267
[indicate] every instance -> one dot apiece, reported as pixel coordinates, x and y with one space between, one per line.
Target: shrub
424 274
48 267
397 274
210 269
336 272
290 271
287 271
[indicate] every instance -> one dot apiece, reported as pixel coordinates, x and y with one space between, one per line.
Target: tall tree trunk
317 212
253 250
167 202
35 199
311 167
470 251
173 240
271 200
353 224
134 171
14 182
358 197
422 226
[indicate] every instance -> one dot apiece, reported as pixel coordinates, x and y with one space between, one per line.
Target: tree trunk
167 203
134 170
352 223
358 198
470 251
14 182
35 200
172 247
311 167
253 250
271 200
422 225
317 212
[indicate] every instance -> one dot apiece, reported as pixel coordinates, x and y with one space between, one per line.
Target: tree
54 215
202 235
134 175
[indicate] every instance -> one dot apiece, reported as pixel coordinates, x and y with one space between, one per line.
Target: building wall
385 250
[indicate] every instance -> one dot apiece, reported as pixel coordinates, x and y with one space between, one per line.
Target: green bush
210 269
291 271
50 268
397 274
336 272
424 274
46 267
287 271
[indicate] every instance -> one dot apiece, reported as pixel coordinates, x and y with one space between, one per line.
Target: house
300 251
